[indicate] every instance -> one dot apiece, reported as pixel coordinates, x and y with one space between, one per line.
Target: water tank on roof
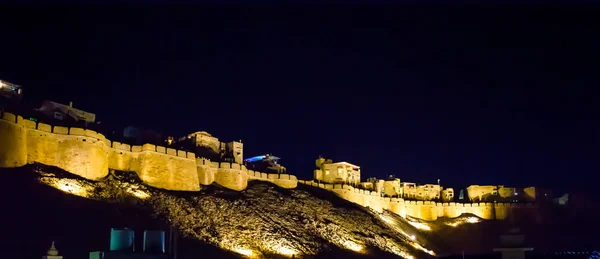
154 242
121 239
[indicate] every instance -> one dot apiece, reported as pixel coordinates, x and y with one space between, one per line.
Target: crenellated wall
90 155
25 141
426 210
236 177
283 180
233 176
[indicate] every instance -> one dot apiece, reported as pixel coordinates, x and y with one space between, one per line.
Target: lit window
327 172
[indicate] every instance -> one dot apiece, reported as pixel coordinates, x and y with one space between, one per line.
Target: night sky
477 95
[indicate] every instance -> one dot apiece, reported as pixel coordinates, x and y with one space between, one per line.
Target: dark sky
470 95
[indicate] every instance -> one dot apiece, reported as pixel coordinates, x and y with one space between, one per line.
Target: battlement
89 154
76 131
426 210
152 148
283 180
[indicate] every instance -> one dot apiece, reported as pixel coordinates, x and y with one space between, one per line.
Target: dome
52 251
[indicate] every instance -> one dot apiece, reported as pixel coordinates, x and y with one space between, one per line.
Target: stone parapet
425 210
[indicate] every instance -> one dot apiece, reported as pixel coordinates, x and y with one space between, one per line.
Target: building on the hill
340 172
506 192
429 192
366 185
448 195
425 192
531 193
392 187
52 253
373 184
490 193
235 150
481 193
205 145
66 113
202 139
409 190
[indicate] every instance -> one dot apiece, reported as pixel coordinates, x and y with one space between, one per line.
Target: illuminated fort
202 159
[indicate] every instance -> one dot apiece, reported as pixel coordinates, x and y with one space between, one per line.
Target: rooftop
346 164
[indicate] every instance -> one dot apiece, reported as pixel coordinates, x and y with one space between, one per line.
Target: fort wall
206 170
13 147
233 176
425 210
79 150
90 155
236 177
282 180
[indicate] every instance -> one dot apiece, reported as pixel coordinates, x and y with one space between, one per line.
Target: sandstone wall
168 171
206 170
232 176
282 180
90 155
80 151
13 146
426 210
74 150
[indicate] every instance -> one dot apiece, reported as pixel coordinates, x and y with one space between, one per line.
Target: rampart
90 155
426 210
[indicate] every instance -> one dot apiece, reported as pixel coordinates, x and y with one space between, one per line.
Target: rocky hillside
42 204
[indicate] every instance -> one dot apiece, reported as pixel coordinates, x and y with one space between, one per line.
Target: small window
327 172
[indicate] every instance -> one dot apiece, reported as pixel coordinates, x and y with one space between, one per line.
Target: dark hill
264 218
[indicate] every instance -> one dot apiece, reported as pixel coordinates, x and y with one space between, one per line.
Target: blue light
255 159
261 158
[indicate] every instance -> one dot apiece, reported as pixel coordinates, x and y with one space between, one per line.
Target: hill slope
44 204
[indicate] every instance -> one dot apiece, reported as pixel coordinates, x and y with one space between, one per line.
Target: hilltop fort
60 135
204 160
